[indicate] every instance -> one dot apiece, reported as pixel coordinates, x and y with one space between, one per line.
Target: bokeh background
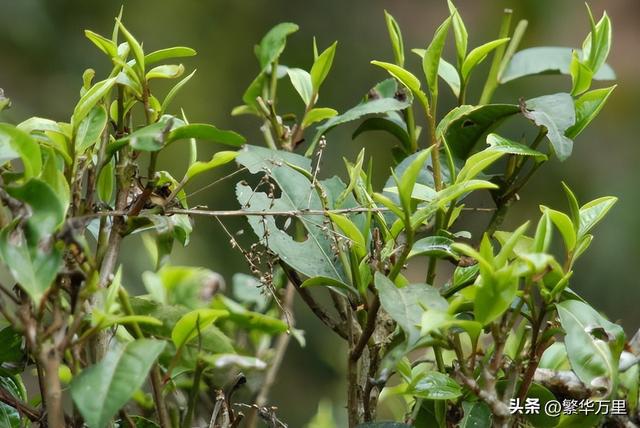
43 53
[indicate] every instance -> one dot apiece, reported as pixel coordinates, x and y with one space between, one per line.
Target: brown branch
24 409
280 349
307 298
369 328
498 408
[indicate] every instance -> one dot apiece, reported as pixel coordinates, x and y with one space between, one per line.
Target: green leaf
201 131
90 99
477 55
213 340
5 102
34 269
395 35
101 390
15 143
581 75
10 417
588 105
494 295
387 125
476 163
273 43
168 53
557 114
464 126
509 245
406 78
106 182
564 225
406 305
450 75
55 178
322 66
192 323
383 98
352 232
476 415
105 45
249 320
148 138
504 145
544 233
321 281
592 212
91 128
597 45
46 209
460 33
593 343
435 386
12 347
574 208
135 47
546 60
318 114
409 177
301 81
446 71
218 159
174 91
432 56
168 71
312 256
434 246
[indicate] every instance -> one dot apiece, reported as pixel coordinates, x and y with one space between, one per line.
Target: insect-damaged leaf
313 256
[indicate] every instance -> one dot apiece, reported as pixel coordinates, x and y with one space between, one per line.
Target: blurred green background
43 53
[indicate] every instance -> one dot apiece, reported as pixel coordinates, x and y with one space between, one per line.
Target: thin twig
280 349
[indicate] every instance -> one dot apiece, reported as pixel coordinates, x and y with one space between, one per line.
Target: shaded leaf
383 98
463 126
101 390
406 305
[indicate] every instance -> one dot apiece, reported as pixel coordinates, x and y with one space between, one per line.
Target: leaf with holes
313 256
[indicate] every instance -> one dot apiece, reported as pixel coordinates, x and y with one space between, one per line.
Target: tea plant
493 330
